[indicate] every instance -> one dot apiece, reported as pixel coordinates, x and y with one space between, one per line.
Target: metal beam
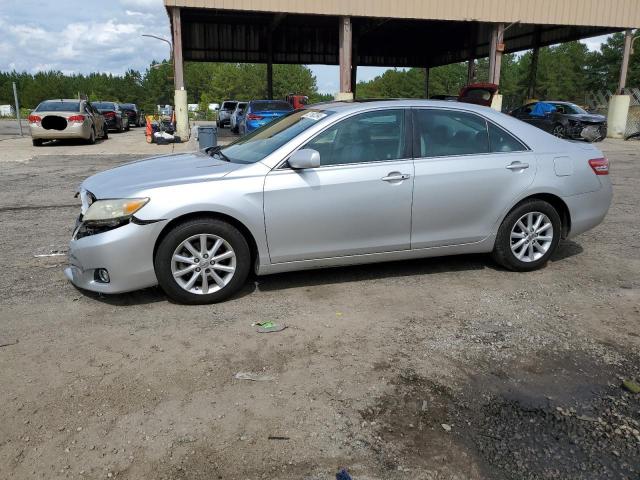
178 66
345 53
495 53
426 82
533 68
626 53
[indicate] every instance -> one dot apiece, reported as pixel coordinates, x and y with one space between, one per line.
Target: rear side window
448 132
229 105
367 137
501 141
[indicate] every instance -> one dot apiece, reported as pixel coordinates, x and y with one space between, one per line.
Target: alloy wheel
203 264
558 131
531 236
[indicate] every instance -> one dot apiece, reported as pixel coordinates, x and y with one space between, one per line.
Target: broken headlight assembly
105 215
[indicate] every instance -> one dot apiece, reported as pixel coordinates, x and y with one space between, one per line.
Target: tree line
567 71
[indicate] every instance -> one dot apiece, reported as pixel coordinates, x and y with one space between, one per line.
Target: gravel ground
444 369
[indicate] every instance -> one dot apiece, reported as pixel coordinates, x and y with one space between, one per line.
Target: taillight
34 119
76 119
253 116
109 114
600 166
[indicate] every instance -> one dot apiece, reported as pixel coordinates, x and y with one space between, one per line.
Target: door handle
395 177
517 166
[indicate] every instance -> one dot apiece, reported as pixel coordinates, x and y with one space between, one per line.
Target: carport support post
345 57
619 104
495 61
471 70
426 82
180 98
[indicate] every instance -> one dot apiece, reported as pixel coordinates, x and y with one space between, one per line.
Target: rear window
229 105
104 105
271 106
58 106
128 106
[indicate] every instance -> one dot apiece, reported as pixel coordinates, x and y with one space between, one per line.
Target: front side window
367 137
267 139
449 132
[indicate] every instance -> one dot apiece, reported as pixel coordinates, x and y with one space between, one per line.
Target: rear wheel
528 236
202 261
37 142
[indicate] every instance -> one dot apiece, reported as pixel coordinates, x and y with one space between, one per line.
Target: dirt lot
445 368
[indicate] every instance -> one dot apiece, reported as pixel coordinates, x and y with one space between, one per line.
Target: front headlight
114 209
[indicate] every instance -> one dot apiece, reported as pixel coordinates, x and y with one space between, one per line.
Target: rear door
467 172
357 202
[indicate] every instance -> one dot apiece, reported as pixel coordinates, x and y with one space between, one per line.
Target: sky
82 36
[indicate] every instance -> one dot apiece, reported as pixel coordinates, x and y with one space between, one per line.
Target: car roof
356 105
63 100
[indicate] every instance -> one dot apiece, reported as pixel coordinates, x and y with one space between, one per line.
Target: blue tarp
541 109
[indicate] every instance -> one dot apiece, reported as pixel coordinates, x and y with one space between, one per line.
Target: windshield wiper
217 150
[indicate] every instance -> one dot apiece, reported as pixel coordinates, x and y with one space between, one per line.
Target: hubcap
203 264
531 236
557 131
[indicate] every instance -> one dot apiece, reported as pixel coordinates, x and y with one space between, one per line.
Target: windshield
270 106
104 105
58 106
569 108
266 140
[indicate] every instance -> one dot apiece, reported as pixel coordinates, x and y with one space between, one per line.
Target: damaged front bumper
591 132
125 252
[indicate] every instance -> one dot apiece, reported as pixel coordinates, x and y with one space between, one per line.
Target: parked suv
59 119
225 112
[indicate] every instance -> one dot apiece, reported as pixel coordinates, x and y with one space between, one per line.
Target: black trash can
207 136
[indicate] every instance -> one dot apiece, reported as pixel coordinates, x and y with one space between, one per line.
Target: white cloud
84 36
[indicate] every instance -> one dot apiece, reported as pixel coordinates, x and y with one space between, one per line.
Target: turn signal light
600 166
34 119
76 118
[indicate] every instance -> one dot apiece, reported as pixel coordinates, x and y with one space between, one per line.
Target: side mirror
305 158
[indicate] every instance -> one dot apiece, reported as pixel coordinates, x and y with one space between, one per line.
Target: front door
357 202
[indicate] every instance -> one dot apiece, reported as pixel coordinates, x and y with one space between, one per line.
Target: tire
558 130
192 231
92 137
105 132
37 142
542 244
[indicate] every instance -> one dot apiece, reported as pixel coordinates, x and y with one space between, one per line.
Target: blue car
261 112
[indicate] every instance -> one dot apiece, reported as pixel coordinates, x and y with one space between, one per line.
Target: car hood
163 171
586 117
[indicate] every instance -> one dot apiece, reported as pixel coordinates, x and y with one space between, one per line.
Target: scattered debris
268 327
276 437
254 377
343 475
631 386
8 343
57 254
447 428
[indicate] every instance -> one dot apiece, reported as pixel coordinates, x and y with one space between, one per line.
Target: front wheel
558 131
528 236
202 261
36 142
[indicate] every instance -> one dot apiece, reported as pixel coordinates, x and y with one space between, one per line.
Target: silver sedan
337 184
